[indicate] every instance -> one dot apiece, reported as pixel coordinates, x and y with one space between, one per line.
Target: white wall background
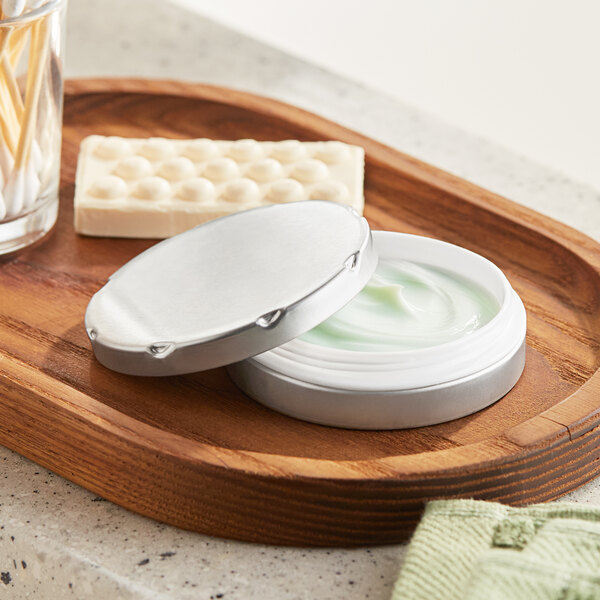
522 73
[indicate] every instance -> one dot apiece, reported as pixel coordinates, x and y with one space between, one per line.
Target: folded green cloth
473 550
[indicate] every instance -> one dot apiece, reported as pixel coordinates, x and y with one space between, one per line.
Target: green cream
406 306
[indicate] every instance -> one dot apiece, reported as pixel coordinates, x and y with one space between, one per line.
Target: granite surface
60 541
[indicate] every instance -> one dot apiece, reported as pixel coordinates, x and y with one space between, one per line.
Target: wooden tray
195 452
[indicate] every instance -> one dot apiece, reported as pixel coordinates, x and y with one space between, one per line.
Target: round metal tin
231 288
406 388
392 409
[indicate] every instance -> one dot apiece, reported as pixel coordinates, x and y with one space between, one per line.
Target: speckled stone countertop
58 540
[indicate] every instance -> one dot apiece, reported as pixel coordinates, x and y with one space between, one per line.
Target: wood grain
195 452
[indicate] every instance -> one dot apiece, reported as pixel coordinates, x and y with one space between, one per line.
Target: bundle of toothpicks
20 155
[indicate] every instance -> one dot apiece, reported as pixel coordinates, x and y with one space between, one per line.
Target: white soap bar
157 187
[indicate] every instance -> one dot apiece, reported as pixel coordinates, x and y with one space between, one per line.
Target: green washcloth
473 550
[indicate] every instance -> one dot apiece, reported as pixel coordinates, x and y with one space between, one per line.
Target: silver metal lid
230 289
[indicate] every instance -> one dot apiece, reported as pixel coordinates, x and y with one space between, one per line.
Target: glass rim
32 15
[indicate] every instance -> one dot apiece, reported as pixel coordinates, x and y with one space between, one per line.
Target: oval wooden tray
193 451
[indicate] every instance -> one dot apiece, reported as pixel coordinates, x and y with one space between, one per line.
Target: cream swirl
407 306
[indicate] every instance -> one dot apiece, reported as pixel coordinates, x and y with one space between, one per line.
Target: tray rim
513 445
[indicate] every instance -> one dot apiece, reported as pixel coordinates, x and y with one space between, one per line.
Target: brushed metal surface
394 409
230 289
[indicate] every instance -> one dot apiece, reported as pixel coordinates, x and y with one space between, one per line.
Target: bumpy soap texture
156 187
406 306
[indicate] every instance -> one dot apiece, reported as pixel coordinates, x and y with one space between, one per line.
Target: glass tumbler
31 100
